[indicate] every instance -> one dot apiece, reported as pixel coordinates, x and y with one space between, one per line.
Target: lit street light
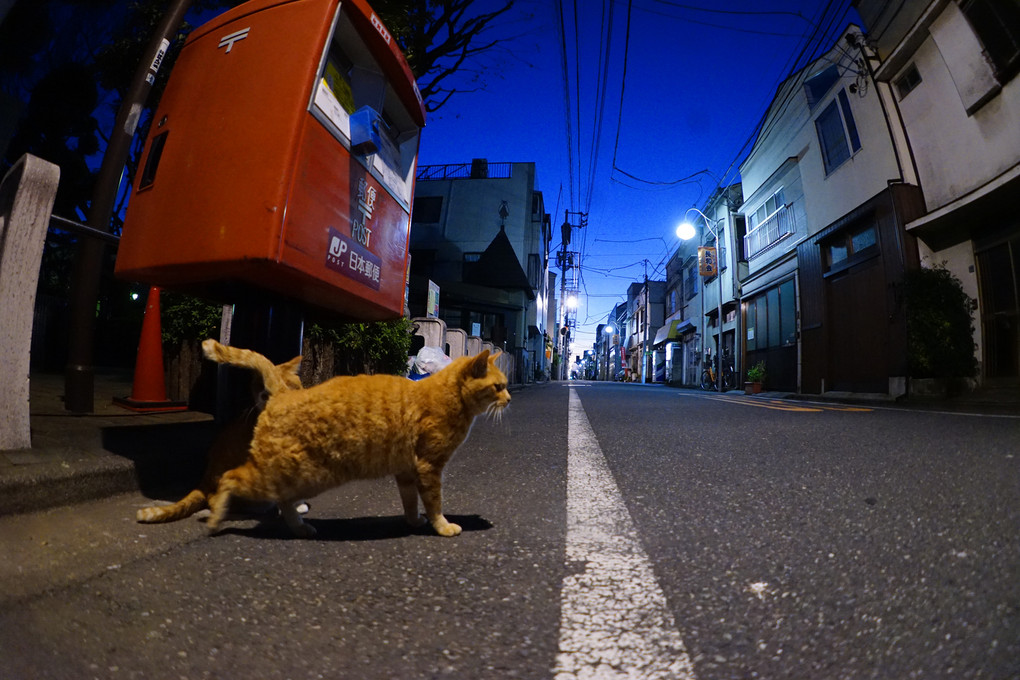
609 330
687 231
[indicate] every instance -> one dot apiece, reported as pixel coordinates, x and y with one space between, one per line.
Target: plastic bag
429 361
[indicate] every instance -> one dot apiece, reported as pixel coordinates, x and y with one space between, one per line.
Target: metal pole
718 285
718 280
88 263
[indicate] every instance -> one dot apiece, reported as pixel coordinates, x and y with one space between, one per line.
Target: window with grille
910 79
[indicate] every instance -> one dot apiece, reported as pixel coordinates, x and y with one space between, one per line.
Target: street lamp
686 231
608 330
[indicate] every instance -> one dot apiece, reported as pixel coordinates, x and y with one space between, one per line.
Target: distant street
609 531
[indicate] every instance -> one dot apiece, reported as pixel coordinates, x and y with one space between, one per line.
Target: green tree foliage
375 347
940 330
186 318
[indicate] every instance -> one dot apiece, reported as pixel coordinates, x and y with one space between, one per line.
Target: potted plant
755 378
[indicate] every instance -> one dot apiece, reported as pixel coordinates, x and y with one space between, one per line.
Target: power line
566 98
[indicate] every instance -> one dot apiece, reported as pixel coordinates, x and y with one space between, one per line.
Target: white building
828 187
952 67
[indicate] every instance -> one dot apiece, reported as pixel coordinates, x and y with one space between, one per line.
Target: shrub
757 372
186 318
940 330
367 347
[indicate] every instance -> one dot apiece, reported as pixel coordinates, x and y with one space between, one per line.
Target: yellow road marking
849 409
783 405
760 404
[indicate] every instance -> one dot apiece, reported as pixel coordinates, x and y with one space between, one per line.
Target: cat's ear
292 366
497 354
479 366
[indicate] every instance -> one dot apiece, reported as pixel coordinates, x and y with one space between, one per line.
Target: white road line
614 621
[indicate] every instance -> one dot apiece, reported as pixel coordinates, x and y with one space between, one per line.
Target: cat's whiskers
494 412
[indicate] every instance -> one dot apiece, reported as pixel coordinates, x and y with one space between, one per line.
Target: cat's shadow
356 528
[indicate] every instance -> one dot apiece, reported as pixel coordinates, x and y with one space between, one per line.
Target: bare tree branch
439 37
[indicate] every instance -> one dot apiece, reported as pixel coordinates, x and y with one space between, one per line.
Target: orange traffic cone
148 391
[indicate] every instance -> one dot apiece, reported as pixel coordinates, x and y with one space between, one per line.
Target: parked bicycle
708 375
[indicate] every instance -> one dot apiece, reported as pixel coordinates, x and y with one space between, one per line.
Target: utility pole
88 263
569 263
644 328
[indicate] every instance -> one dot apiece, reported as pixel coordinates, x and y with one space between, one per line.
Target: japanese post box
281 159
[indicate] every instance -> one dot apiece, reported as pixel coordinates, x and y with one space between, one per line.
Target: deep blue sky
696 85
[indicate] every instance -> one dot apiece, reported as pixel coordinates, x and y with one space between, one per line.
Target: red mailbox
282 159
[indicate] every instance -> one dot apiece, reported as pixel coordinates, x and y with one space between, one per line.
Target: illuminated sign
708 264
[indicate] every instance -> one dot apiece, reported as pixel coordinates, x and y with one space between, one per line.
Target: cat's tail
186 507
229 484
274 378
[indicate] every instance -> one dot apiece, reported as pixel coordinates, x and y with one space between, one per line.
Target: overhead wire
821 28
566 98
600 99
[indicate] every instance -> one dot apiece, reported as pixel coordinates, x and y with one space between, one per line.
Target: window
819 84
752 335
691 281
848 119
908 81
849 247
767 209
770 223
837 132
787 314
469 266
534 270
771 318
428 209
997 25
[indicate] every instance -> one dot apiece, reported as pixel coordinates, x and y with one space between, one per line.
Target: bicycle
708 376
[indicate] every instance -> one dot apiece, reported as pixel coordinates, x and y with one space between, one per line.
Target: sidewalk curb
48 485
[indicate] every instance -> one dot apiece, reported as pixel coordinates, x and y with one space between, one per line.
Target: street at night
759 537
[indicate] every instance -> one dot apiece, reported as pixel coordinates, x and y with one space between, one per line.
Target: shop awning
672 331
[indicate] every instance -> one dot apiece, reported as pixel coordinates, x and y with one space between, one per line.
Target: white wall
980 146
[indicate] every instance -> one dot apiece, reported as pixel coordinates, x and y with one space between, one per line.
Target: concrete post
27 193
457 337
474 345
433 330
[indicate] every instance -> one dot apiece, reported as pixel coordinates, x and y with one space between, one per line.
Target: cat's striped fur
310 440
230 447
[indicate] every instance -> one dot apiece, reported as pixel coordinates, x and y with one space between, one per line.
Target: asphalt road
760 539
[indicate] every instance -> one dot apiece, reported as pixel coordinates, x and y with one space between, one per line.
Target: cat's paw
304 530
448 529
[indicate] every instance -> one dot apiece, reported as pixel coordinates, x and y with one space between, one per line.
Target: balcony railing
770 232
464 171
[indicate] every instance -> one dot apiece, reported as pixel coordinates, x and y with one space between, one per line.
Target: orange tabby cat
230 448
307 441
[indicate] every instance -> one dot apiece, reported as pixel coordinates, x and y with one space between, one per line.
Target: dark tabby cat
230 448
